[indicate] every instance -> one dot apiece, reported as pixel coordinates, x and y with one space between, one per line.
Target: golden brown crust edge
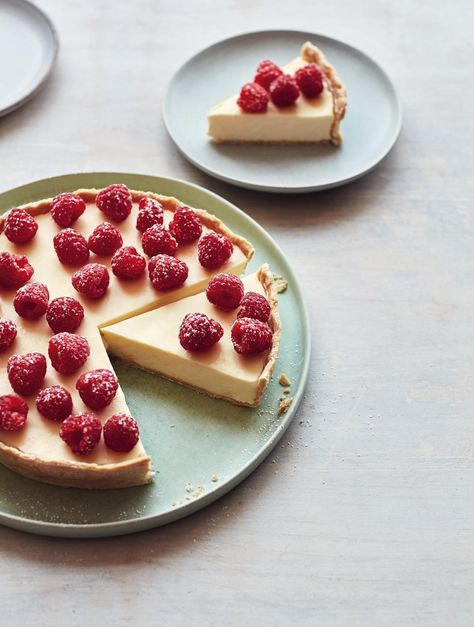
78 474
266 279
312 54
169 203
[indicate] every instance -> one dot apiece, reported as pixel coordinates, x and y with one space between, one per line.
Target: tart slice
278 111
151 341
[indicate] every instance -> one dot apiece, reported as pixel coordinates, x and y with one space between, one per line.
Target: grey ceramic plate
191 438
370 128
28 48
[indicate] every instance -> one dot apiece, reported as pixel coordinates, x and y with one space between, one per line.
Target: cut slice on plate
151 341
308 120
36 450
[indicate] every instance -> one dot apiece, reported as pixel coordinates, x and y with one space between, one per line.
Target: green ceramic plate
201 447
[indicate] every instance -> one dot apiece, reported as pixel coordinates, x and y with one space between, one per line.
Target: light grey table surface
364 513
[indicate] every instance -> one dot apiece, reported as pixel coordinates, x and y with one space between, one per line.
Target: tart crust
312 54
112 475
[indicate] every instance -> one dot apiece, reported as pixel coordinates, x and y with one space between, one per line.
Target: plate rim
278 188
48 67
138 524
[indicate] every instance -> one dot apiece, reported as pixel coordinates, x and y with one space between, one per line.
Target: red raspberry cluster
250 333
82 433
270 83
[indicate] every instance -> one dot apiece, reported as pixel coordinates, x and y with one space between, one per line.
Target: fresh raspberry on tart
121 433
92 280
198 332
127 263
68 352
26 372
310 80
66 209
8 333
225 291
81 432
64 314
253 98
31 301
250 336
13 412
166 272
185 225
284 91
266 73
104 240
157 240
15 270
255 306
97 388
54 403
71 247
20 226
150 212
115 201
214 250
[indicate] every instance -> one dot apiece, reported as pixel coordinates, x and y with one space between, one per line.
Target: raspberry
251 336
284 91
66 209
13 412
214 250
255 306
127 263
225 291
185 226
54 403
68 352
121 433
31 301
7 333
150 212
15 270
20 227
92 280
64 314
157 240
115 201
310 80
267 72
81 432
253 98
104 240
97 388
166 272
197 332
26 372
71 247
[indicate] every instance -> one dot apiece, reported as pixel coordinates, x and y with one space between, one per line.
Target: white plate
28 48
370 128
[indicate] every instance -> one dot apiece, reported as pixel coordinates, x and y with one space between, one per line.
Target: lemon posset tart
159 282
303 102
